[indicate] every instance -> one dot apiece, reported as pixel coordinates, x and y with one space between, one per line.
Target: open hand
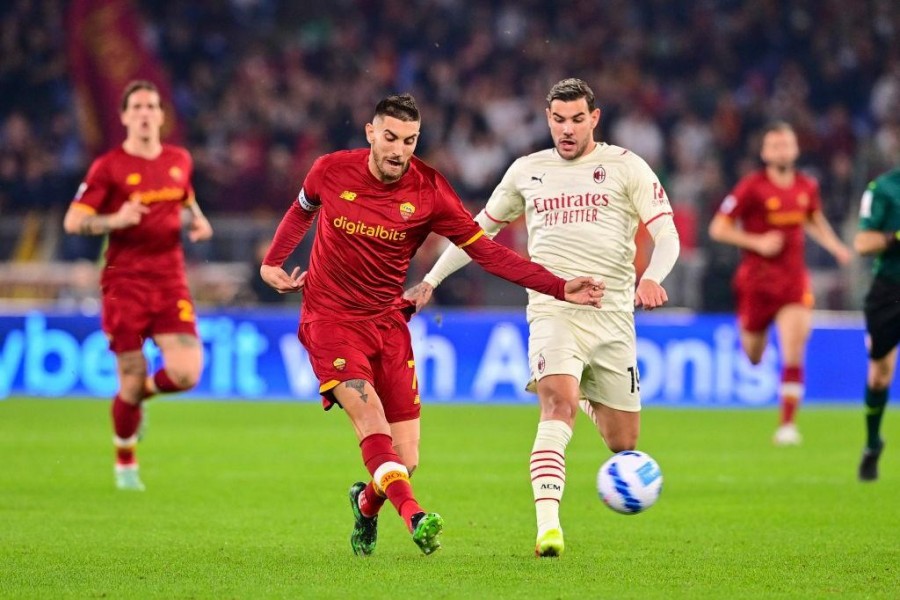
420 294
278 279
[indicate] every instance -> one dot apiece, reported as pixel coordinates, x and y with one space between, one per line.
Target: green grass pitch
249 500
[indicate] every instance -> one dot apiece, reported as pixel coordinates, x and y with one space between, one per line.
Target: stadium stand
262 87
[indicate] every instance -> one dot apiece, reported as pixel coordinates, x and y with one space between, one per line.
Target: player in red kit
135 194
376 206
766 215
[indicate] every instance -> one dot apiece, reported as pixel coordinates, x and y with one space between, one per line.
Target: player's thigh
612 378
125 315
182 355
406 435
394 367
339 351
360 401
620 429
794 322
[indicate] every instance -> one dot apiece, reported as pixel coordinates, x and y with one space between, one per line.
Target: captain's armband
305 204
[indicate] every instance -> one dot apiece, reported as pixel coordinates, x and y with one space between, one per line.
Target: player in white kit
578 190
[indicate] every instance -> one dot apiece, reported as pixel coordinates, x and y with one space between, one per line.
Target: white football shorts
598 348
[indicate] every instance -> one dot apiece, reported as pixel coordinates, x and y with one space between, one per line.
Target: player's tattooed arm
96 225
79 222
360 386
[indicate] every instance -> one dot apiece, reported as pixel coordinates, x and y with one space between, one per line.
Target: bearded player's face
780 148
393 142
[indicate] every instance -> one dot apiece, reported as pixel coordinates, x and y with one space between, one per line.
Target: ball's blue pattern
631 503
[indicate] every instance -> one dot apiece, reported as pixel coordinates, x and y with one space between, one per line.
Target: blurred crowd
263 87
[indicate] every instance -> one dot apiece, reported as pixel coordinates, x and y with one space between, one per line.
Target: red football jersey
760 206
368 231
152 248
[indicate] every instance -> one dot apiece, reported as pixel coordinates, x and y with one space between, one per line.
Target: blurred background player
135 194
879 236
765 216
377 205
578 190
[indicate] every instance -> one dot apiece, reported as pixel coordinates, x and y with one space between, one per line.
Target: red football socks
389 474
126 420
370 501
164 383
791 392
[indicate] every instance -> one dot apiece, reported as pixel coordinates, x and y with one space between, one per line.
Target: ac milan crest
599 174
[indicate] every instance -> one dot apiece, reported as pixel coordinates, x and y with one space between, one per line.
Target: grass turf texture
250 501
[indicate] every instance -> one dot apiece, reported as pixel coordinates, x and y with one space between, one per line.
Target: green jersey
879 210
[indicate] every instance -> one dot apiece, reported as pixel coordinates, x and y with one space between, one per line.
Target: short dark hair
400 106
571 89
777 125
135 85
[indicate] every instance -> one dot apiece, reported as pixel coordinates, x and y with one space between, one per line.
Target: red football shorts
375 350
758 303
136 310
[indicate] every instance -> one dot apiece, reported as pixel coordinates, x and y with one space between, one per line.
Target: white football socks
548 472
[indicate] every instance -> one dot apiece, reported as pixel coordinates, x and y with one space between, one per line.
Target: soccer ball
629 482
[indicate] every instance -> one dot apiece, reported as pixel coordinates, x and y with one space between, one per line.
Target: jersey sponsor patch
865 205
80 191
728 204
306 204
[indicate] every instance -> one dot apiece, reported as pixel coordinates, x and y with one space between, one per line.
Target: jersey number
635 379
186 311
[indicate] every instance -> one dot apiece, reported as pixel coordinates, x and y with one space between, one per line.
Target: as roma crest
407 210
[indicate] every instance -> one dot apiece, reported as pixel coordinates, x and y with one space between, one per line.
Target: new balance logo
538 179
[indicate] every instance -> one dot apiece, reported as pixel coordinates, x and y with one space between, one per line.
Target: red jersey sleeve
297 220
94 190
735 203
454 222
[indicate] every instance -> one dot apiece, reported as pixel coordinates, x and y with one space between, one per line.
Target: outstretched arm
450 261
504 263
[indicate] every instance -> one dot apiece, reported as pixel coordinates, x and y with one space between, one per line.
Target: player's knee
185 379
131 390
556 407
755 357
622 441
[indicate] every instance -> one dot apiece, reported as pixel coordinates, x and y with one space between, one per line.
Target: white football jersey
582 216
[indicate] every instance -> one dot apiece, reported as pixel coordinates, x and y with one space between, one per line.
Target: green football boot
365 529
427 528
